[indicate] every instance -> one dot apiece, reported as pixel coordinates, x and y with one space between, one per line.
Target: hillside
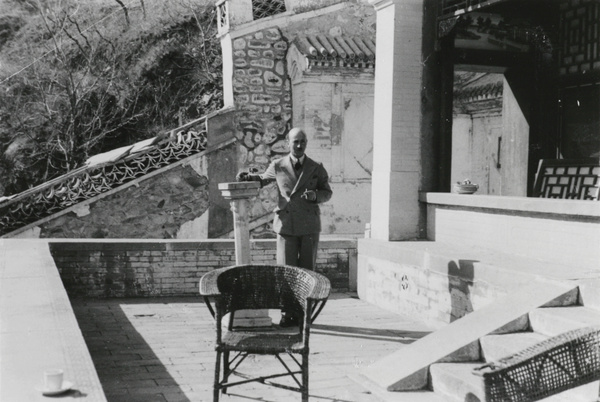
82 77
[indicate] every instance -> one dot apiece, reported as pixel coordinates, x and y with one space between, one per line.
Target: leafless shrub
92 81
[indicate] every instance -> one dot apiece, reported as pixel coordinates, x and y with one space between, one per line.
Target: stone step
467 353
589 295
521 324
407 369
399 396
571 298
456 382
556 320
495 347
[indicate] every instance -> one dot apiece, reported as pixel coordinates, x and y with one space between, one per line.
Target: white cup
53 380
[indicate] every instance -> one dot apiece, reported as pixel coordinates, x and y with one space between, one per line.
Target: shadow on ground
128 368
162 349
388 335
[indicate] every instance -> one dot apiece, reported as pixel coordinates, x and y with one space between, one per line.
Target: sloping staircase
456 381
105 174
101 174
451 378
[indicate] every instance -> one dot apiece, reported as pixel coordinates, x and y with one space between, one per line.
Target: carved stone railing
222 16
234 13
102 173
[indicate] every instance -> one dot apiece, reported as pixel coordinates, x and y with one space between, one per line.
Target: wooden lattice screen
574 179
267 8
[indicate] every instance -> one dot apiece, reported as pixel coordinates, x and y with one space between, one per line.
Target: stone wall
434 282
433 288
164 268
480 248
155 207
262 98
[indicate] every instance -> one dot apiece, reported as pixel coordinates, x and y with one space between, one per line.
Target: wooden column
238 194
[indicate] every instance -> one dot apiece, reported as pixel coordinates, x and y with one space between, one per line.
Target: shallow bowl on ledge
465 188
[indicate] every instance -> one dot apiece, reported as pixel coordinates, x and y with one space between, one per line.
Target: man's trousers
298 251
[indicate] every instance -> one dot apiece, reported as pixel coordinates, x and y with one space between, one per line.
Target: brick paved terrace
162 349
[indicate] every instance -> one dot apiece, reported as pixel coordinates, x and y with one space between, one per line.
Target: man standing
302 185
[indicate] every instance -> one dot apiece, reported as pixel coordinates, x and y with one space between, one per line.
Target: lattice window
267 8
580 34
223 15
568 179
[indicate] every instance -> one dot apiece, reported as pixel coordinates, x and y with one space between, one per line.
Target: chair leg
217 376
225 369
305 377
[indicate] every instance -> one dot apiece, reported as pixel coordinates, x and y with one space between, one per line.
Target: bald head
297 142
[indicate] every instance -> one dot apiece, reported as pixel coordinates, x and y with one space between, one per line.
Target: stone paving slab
162 349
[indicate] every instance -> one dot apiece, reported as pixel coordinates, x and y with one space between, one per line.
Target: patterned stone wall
262 97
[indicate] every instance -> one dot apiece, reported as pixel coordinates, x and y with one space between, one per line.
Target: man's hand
242 176
309 195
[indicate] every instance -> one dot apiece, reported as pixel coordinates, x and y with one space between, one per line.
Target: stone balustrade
232 13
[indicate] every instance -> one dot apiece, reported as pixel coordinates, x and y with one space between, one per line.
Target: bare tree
91 90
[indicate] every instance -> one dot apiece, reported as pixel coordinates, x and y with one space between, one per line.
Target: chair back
264 287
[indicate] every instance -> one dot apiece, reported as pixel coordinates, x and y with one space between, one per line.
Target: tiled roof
481 87
338 50
487 91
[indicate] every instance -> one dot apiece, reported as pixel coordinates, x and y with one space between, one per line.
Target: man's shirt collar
294 159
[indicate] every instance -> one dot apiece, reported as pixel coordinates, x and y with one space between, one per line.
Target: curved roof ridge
331 47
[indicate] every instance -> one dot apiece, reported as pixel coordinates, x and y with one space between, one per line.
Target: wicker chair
248 287
559 363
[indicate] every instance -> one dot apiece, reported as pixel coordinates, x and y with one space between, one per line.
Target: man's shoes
288 320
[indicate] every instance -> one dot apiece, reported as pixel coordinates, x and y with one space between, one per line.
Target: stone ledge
39 330
491 263
590 210
182 244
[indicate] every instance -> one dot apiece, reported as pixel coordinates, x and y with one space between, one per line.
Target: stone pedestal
238 194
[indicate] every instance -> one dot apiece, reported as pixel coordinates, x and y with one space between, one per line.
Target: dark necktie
297 169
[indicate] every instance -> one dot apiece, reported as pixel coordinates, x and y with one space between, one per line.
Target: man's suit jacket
294 215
